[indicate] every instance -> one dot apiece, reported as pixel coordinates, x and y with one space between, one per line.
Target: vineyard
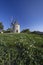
21 49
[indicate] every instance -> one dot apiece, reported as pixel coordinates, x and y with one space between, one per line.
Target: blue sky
29 13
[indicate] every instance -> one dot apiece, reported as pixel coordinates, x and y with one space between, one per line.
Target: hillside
21 49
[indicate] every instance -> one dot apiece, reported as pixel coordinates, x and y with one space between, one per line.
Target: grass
21 49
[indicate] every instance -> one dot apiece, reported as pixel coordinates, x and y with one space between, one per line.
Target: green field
21 49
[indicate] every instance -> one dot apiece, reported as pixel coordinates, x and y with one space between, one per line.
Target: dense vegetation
25 31
21 49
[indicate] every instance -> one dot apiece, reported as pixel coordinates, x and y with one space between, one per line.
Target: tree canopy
1 26
25 31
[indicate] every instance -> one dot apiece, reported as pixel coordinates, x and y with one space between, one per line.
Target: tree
9 29
1 26
25 31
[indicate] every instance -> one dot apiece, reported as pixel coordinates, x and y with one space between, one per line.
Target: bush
25 31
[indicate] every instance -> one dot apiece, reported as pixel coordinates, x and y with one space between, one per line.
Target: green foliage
25 31
9 30
1 25
21 49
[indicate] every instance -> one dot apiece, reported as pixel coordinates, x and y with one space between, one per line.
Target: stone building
16 27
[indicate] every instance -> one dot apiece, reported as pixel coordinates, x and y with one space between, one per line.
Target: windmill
15 27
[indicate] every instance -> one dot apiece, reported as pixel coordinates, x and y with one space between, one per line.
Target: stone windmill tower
15 27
